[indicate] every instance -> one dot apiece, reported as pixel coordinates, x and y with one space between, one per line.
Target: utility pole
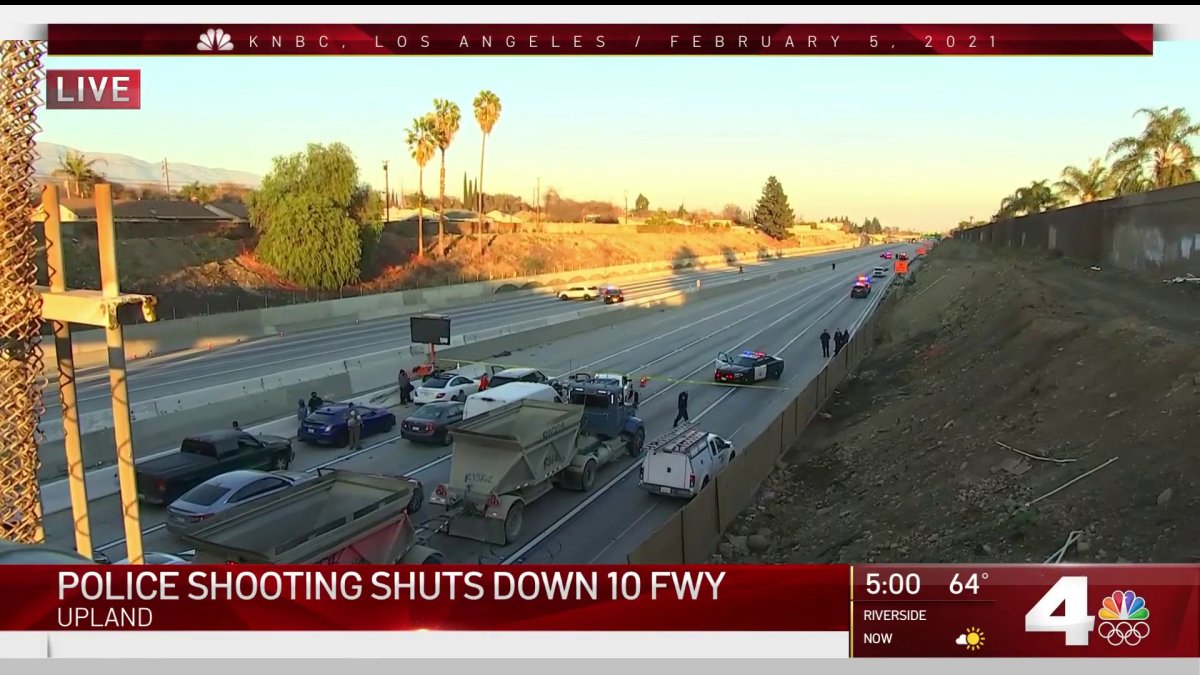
166 172
537 197
387 194
627 207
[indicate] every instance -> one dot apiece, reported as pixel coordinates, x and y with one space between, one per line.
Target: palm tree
421 144
1037 197
76 168
1086 185
487 113
1161 156
445 119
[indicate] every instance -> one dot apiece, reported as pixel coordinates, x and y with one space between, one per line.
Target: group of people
840 338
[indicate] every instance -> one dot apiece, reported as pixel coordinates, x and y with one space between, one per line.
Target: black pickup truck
165 479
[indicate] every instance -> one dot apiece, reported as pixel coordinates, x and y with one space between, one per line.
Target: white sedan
579 293
445 387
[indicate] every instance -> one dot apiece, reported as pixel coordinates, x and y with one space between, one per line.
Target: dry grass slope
212 272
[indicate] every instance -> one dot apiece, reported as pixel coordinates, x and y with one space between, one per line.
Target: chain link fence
21 379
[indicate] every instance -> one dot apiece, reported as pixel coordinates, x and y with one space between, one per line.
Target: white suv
579 293
879 272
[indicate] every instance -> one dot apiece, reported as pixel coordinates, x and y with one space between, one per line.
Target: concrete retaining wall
222 329
692 535
160 423
1155 232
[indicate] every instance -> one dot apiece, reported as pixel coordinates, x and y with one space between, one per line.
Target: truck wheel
587 479
513 522
636 442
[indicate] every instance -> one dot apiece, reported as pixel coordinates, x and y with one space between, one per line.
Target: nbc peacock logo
215 40
1124 619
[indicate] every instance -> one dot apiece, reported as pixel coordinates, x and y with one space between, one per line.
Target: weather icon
973 639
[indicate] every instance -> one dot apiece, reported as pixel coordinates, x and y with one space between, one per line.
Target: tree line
80 176
1161 156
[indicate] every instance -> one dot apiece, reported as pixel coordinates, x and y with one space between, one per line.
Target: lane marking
554 527
624 532
517 555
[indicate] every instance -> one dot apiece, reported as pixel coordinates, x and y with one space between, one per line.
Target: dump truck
506 458
342 517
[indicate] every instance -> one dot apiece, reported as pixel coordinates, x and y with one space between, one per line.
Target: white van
494 397
683 461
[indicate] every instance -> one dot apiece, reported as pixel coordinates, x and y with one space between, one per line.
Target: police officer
683 411
354 426
825 343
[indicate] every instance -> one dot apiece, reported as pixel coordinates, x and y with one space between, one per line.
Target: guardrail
691 535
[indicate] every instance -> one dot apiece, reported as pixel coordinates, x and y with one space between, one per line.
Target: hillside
1016 407
216 271
133 171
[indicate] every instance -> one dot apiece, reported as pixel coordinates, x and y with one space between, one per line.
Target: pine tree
773 215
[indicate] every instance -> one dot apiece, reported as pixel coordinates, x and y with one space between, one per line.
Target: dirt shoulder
997 353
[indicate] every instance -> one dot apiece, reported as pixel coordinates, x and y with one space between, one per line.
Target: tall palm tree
77 169
421 144
1086 185
487 113
1036 197
445 119
1161 156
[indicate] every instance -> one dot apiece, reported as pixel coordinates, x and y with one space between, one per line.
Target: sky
919 142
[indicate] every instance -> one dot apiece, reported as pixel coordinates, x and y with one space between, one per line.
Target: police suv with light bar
747 368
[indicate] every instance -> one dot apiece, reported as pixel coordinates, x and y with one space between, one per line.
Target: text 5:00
894 584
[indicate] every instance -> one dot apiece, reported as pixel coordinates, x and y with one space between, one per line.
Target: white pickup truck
683 461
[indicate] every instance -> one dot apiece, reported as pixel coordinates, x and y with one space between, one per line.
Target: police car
862 287
747 368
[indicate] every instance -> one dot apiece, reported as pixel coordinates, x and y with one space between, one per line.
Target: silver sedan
227 491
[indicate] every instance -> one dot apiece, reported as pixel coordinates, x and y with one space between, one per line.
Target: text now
94 89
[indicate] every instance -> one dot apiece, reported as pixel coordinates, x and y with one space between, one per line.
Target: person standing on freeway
405 388
825 343
683 413
839 341
301 410
354 426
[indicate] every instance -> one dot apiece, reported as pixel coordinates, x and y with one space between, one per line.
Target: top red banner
602 39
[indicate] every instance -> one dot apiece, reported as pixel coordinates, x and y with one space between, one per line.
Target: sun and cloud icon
215 40
972 639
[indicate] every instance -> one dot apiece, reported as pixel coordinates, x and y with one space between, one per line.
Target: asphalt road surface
174 373
675 347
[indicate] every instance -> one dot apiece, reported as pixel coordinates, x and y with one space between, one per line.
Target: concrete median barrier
735 489
701 526
217 330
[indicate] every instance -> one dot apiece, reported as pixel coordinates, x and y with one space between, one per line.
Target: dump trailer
508 457
342 517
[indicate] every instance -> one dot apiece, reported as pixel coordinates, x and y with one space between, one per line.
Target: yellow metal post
64 347
106 242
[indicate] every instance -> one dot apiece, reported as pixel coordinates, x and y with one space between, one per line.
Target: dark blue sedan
327 426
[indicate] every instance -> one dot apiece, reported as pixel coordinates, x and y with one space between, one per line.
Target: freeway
675 347
171 374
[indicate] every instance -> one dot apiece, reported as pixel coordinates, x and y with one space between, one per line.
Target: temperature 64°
958 586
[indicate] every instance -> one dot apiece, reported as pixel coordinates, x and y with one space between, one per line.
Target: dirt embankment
215 273
1000 379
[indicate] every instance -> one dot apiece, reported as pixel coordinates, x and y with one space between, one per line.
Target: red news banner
602 39
967 611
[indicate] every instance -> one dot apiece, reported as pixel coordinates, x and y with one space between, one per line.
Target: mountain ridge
132 171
